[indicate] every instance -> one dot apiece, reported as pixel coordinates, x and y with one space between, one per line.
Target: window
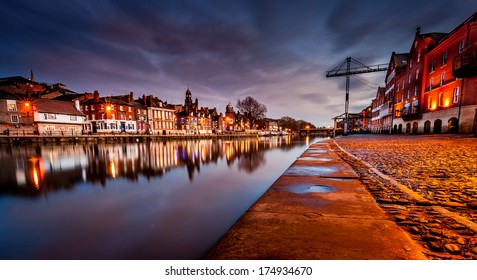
444 58
429 103
51 116
443 78
461 45
129 109
121 108
433 65
409 77
112 116
410 63
73 118
418 57
415 90
15 119
408 94
440 100
431 82
417 73
456 95
12 105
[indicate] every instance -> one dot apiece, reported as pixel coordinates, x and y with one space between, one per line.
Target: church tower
188 99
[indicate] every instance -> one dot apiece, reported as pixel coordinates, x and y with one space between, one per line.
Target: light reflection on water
152 200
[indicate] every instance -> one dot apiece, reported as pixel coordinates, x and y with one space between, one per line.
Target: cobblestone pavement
427 183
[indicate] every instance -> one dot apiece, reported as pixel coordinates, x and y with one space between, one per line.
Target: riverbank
427 183
113 138
419 193
319 210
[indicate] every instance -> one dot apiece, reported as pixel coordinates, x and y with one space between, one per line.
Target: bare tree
251 107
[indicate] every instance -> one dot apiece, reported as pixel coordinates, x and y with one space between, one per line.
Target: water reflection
34 171
154 200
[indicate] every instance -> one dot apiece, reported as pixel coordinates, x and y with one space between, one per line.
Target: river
153 200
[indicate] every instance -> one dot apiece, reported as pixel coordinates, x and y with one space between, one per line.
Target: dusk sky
275 51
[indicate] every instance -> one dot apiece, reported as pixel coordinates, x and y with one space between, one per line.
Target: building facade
109 115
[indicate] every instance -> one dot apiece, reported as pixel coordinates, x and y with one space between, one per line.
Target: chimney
144 101
418 30
131 97
96 96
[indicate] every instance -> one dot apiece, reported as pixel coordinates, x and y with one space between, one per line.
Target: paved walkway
317 210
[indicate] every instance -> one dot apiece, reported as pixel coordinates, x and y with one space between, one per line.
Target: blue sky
276 51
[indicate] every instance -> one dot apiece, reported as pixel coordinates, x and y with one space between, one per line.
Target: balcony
409 114
465 64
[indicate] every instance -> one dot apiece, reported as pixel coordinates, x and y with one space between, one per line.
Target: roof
7 95
400 59
56 107
15 79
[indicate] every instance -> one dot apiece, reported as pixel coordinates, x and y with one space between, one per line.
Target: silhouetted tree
251 107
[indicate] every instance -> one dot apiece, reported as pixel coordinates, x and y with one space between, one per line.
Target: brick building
109 114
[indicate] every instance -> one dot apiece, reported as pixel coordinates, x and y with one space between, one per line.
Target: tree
252 108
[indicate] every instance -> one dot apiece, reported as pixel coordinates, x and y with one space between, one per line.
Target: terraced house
433 87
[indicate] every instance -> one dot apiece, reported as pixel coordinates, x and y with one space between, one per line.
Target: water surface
152 200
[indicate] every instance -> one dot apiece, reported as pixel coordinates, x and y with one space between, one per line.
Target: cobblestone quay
319 209
427 183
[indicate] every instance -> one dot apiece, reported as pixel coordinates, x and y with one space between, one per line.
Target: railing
465 64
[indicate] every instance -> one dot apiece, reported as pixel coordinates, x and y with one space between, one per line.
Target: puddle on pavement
304 189
309 170
314 158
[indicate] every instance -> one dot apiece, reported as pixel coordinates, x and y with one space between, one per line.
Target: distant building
53 117
380 110
110 114
160 116
190 118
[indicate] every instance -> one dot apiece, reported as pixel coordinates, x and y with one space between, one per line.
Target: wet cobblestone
442 169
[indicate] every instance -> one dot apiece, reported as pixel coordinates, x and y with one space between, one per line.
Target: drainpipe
463 79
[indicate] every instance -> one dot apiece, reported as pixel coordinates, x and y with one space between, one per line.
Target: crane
345 69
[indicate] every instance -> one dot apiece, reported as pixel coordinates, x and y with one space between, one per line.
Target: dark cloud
277 51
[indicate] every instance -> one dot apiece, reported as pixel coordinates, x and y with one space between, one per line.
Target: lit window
15 119
456 95
12 105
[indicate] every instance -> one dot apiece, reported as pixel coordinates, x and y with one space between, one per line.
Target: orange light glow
446 103
113 169
36 178
108 108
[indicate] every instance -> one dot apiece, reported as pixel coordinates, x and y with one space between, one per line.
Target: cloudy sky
275 51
